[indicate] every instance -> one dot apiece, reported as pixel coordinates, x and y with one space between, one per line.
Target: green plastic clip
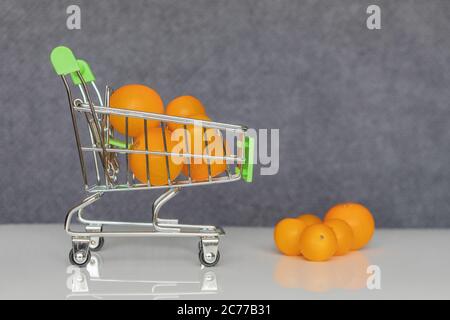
117 143
85 71
247 166
63 61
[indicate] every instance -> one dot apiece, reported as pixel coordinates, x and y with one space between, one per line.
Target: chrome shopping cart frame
111 170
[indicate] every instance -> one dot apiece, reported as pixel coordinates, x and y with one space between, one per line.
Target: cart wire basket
104 157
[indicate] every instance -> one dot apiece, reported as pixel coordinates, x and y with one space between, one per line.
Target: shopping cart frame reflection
89 282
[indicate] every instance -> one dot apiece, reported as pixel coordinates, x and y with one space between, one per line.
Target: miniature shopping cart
104 159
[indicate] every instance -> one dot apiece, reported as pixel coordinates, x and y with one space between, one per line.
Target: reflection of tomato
186 107
349 272
294 272
157 164
288 273
197 136
135 97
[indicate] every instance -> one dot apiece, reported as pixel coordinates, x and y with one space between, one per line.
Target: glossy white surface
34 264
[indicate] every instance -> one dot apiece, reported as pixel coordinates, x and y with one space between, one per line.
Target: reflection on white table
349 272
92 282
413 264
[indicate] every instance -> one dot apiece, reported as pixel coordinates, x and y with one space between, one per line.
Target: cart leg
96 243
209 254
80 254
157 205
78 209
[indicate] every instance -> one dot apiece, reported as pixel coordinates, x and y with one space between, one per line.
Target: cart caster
80 258
210 259
96 244
80 255
209 254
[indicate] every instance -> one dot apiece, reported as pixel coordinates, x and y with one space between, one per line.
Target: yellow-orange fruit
135 97
358 218
158 170
344 235
318 243
185 107
287 236
309 219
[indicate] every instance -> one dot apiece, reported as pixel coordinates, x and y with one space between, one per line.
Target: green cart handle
86 73
64 61
247 167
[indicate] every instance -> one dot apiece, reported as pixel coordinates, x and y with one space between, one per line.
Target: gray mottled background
364 115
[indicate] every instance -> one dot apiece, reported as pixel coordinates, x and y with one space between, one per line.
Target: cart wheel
96 244
208 261
80 258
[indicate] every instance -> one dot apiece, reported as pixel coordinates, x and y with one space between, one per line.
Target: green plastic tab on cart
63 61
85 71
117 143
247 167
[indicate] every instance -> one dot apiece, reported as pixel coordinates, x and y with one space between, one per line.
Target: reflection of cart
110 164
95 282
